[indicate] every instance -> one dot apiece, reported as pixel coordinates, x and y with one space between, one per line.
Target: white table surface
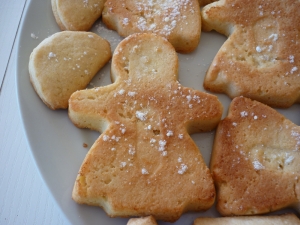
24 198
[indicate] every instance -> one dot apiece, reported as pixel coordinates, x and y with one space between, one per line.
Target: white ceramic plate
57 145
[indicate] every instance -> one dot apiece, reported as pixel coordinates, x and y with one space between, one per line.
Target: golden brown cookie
178 21
76 15
66 62
255 160
261 57
145 162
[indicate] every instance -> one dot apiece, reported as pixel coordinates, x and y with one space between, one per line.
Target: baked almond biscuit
66 62
255 160
261 57
145 162
288 219
148 220
179 21
76 15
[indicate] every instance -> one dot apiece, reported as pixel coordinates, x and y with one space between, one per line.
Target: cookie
145 162
148 220
261 57
255 160
178 21
78 15
66 62
250 220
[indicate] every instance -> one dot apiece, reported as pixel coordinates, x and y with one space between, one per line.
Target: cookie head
144 62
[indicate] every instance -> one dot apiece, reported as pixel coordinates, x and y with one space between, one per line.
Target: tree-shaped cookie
255 160
179 20
261 57
145 162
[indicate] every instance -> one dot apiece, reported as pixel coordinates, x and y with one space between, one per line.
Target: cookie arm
214 18
205 112
87 108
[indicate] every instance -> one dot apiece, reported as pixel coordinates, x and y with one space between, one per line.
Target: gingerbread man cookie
261 58
145 162
179 20
255 160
